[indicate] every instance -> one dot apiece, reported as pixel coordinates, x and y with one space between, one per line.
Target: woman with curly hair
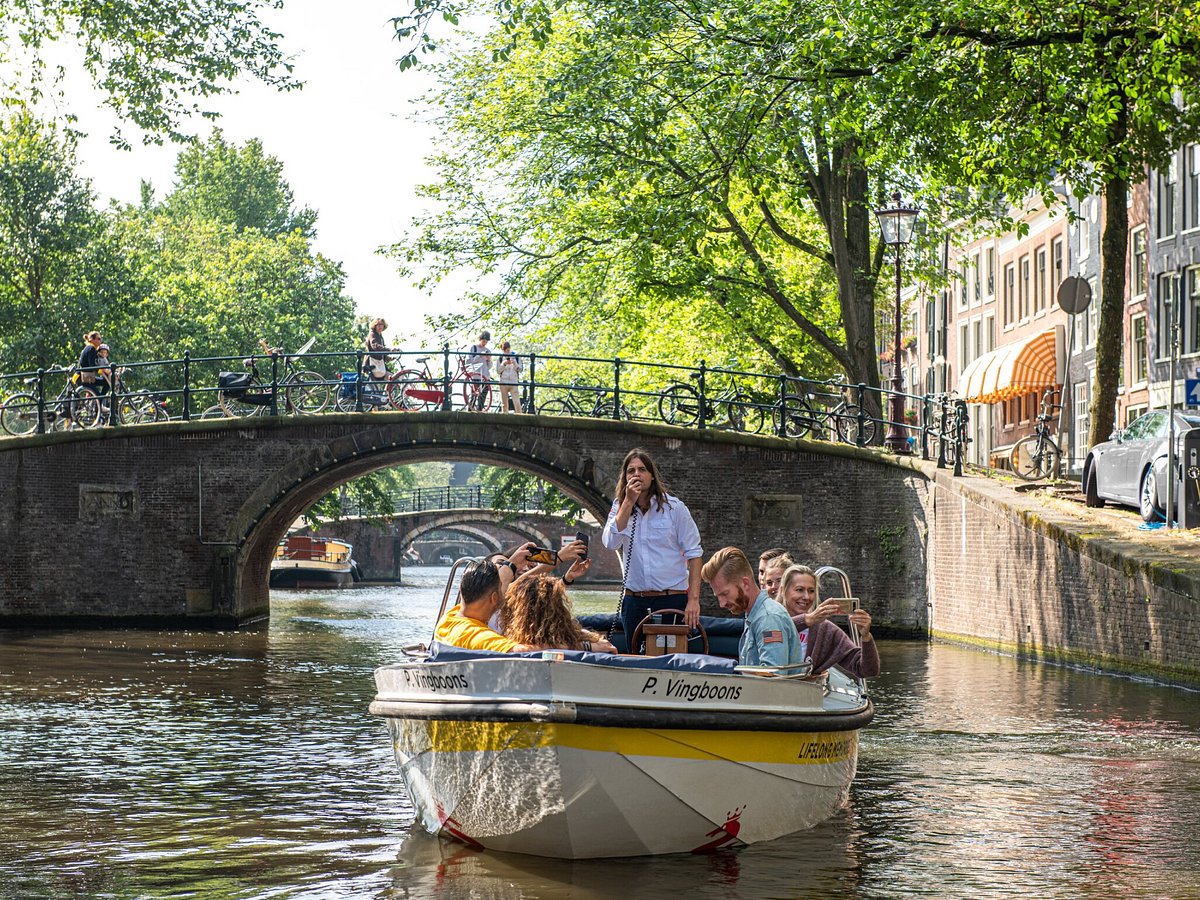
536 611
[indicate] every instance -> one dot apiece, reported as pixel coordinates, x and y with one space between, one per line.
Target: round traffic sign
1074 294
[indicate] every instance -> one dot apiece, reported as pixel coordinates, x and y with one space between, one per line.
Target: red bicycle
417 389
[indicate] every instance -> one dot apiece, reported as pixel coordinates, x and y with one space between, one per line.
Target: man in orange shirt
466 625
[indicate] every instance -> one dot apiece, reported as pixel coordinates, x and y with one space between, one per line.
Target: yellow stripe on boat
740 746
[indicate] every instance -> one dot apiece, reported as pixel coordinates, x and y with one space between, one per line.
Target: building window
1134 412
990 329
1162 317
1081 418
1085 228
1138 264
977 286
1023 296
1092 316
964 348
977 343
991 271
1010 279
1039 281
1141 363
1191 186
962 285
1189 341
1056 266
1165 196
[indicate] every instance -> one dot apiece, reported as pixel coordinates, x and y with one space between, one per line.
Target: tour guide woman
658 544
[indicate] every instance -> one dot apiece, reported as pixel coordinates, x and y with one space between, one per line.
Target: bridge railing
458 496
281 383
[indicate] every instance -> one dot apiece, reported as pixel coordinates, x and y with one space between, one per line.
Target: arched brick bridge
178 521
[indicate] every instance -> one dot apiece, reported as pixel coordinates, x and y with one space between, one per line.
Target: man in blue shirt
769 638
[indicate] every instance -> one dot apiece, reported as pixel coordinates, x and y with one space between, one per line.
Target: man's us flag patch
772 637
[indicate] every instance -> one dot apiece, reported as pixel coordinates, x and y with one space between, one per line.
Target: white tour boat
580 755
302 561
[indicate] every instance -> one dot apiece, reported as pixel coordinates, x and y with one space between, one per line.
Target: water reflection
244 764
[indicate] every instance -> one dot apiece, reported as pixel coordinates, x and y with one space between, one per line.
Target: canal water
139 764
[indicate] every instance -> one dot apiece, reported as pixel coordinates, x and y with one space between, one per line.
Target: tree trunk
1110 340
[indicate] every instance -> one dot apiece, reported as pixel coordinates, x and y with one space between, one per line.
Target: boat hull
299 575
584 791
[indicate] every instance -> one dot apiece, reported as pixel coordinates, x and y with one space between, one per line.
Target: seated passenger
465 625
765 557
823 641
769 638
536 611
773 574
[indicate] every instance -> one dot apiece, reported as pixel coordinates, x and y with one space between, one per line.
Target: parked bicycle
246 394
137 407
75 406
568 404
417 389
732 407
801 417
1037 456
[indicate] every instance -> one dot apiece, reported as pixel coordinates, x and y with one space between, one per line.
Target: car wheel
1091 488
1147 505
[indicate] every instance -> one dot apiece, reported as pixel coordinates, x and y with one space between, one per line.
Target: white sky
349 142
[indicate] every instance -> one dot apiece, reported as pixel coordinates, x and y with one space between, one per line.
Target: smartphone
543 555
580 536
847 604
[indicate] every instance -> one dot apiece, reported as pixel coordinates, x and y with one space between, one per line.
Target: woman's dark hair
658 489
536 610
479 579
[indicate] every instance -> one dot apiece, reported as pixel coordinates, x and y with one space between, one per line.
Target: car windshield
1192 421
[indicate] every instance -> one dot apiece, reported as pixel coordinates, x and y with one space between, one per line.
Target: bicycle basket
235 384
349 380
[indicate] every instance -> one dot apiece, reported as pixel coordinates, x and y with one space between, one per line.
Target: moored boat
302 561
580 755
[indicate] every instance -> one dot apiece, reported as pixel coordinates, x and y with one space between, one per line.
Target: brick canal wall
1009 575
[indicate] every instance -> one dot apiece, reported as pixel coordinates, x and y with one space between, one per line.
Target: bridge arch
460 520
267 513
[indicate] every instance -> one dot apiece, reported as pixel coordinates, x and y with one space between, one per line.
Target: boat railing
462 561
847 595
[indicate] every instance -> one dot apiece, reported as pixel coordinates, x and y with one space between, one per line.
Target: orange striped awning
1023 367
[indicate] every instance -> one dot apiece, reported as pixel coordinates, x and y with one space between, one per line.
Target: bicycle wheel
557 406
845 423
797 415
307 393
1034 457
19 414
87 408
745 414
235 407
943 444
473 393
404 381
214 412
604 410
679 404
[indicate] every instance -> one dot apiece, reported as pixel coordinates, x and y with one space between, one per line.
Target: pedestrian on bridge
508 374
658 543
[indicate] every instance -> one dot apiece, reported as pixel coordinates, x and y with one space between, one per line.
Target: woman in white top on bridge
658 543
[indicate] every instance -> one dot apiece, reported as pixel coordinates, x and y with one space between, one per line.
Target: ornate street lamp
896 224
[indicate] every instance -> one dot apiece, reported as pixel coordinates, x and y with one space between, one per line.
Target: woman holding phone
658 544
825 643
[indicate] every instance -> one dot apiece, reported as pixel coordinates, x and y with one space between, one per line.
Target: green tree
1012 97
621 163
240 186
151 59
48 224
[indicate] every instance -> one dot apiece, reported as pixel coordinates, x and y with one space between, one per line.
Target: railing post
700 421
781 417
531 406
114 396
359 375
187 385
616 387
925 417
945 404
960 429
862 413
446 405
41 401
274 382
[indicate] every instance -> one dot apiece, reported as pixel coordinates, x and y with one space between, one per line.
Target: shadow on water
244 764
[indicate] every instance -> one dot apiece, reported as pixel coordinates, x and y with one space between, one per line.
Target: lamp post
896 224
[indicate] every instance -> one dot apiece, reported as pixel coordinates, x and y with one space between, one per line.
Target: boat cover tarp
685 662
